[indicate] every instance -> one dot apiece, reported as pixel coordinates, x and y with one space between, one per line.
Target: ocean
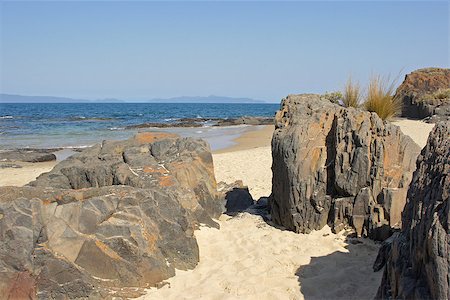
73 125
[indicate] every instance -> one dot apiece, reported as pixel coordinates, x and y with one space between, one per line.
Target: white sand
252 166
21 176
249 259
417 130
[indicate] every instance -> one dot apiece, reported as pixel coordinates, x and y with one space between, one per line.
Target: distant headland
9 98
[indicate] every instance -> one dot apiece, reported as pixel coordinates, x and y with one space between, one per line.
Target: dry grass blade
380 98
352 94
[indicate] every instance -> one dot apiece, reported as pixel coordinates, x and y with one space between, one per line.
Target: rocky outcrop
28 155
418 258
340 166
118 215
200 122
245 121
425 93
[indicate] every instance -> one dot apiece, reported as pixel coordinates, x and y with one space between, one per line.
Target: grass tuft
380 98
442 94
352 94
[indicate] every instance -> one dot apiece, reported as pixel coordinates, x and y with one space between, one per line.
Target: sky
261 50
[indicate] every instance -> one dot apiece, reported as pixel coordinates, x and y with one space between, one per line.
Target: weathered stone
245 121
417 260
322 151
28 155
149 160
342 210
121 214
200 122
237 197
420 97
394 201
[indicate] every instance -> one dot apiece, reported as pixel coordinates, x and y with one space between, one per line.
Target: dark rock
342 208
425 93
331 165
149 160
383 253
120 214
237 197
28 155
245 121
200 122
13 166
417 260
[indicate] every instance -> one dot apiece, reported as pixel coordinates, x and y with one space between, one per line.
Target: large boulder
150 161
340 166
425 93
418 258
119 215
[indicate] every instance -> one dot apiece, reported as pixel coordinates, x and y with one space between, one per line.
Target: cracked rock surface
338 166
417 259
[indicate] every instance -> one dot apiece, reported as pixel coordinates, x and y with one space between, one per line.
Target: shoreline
253 138
22 173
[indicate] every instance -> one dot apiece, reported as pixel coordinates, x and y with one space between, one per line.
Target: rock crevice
417 260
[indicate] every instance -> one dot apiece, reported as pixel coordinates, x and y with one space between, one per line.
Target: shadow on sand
342 275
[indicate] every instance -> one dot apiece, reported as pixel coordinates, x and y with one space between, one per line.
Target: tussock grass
442 94
380 98
352 94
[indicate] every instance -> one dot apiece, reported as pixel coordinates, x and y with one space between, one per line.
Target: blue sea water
47 125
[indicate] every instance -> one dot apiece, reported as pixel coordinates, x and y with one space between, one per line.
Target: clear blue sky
262 50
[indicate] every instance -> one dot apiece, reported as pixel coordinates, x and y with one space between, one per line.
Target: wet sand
258 136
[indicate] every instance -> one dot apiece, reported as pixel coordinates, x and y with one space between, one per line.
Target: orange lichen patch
150 137
359 118
166 181
177 165
72 195
108 251
314 129
151 240
391 166
394 174
47 201
158 170
315 158
22 286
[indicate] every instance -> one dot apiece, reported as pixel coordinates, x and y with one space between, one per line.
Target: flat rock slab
27 155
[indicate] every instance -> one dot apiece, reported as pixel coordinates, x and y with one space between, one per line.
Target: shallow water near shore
75 125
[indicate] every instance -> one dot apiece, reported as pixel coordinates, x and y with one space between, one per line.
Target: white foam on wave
6 117
77 147
116 128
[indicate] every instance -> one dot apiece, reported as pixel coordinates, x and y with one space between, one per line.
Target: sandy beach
23 172
250 259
